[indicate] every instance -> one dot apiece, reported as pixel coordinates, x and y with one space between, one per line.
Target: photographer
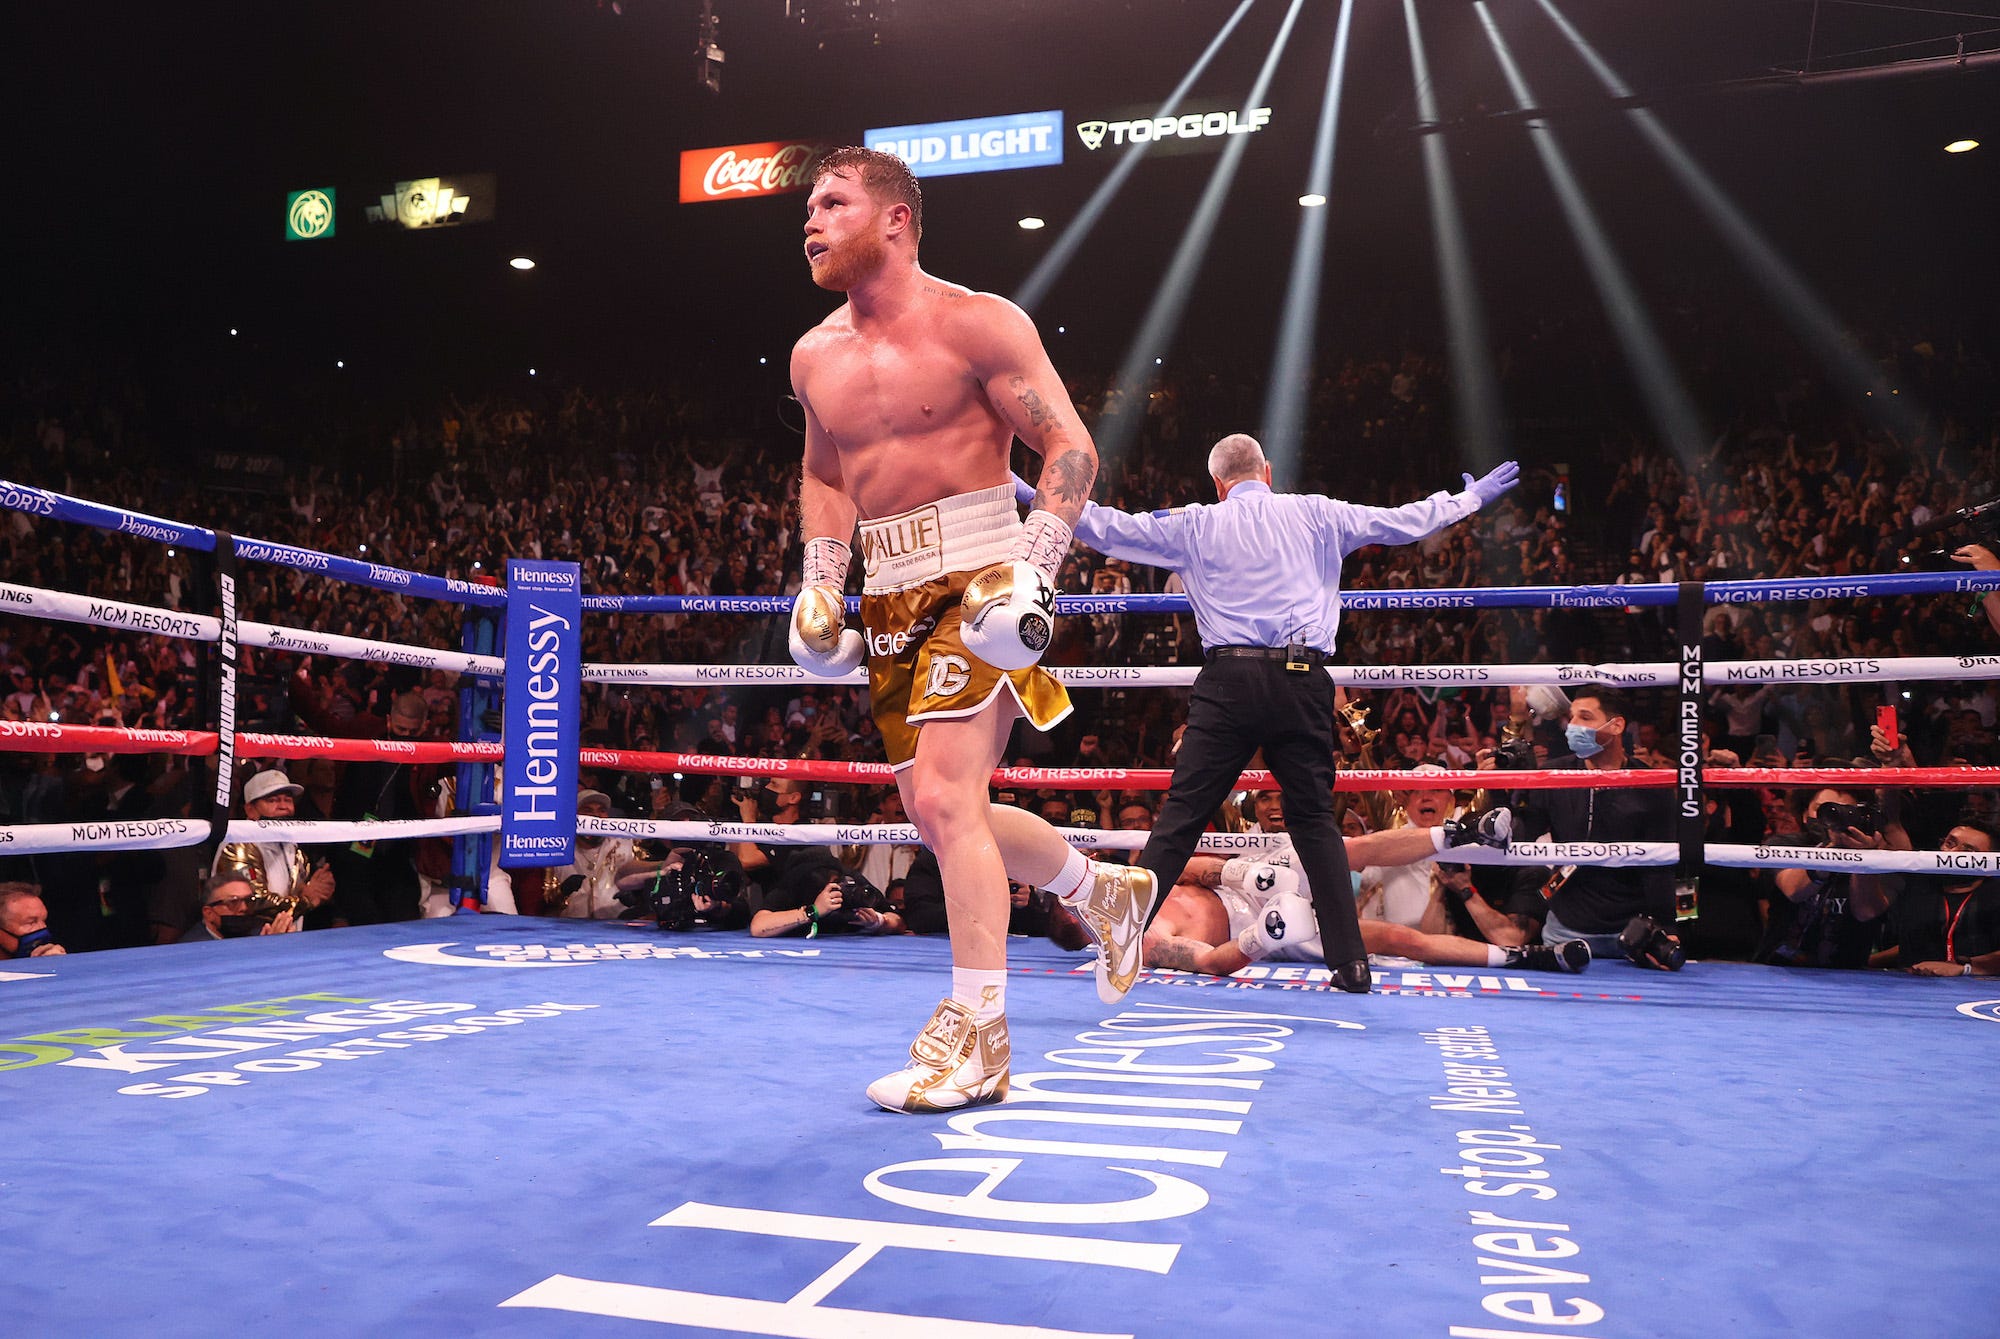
1983 559
1948 926
680 886
1594 903
783 803
818 895
1826 918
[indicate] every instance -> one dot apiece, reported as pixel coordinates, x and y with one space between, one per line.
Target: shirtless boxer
1223 915
914 390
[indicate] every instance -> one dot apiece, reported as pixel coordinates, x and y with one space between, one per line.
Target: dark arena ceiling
157 146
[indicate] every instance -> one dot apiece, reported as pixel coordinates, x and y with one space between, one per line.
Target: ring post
1692 820
472 857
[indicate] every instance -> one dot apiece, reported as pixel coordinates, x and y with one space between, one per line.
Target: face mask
31 941
1355 875
93 763
241 926
1582 741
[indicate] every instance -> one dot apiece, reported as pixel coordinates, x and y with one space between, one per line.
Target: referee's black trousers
1242 704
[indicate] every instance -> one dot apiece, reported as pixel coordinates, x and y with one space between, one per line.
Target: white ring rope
67 608
70 608
158 834
1654 674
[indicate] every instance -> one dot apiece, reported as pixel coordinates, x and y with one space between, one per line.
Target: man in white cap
278 871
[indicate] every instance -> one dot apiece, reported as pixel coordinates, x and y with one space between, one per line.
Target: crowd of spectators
689 487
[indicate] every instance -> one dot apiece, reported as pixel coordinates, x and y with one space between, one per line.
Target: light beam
1286 395
1475 387
1043 277
1118 428
1667 403
1813 321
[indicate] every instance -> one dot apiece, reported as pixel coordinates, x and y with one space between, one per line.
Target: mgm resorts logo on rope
1192 127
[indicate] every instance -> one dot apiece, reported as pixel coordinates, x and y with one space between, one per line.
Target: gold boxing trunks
919 564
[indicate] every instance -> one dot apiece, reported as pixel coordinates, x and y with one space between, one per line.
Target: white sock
1069 880
1496 956
982 991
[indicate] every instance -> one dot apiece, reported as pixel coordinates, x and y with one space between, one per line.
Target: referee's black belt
1299 658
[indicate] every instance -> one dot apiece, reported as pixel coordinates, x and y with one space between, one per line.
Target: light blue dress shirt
1263 568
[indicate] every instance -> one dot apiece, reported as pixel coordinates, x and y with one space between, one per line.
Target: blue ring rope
41 502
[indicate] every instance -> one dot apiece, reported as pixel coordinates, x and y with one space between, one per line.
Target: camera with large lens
1647 944
857 894
1833 818
1516 755
1981 523
671 898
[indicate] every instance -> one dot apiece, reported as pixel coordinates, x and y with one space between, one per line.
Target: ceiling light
1312 201
1961 146
522 263
1031 223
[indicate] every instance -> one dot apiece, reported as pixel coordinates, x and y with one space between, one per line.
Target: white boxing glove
821 641
1286 921
1259 877
1008 615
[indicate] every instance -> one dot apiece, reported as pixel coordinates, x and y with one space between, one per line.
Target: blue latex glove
1490 487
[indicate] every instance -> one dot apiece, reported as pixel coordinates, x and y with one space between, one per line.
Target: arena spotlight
1787 291
522 263
232 332
1033 224
1043 277
1476 386
1117 429
1667 404
1961 146
1291 366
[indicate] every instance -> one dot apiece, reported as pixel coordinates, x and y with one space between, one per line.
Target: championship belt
247 860
1374 804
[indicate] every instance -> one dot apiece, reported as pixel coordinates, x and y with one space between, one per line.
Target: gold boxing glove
821 641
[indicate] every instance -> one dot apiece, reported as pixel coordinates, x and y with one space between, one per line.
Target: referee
1262 571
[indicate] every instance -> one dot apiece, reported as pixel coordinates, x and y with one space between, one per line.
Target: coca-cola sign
738 171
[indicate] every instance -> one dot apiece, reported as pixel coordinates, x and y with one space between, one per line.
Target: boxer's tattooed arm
1202 872
1177 954
1031 400
1067 478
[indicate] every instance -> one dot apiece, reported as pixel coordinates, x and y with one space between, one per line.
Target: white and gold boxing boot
1113 905
956 1061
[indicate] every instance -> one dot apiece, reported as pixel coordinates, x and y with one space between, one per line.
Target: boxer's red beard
844 264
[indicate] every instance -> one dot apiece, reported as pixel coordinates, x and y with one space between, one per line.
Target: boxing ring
507 1125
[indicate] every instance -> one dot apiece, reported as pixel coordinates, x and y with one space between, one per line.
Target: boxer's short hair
886 177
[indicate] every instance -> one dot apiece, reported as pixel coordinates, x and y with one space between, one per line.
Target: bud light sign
989 144
544 679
